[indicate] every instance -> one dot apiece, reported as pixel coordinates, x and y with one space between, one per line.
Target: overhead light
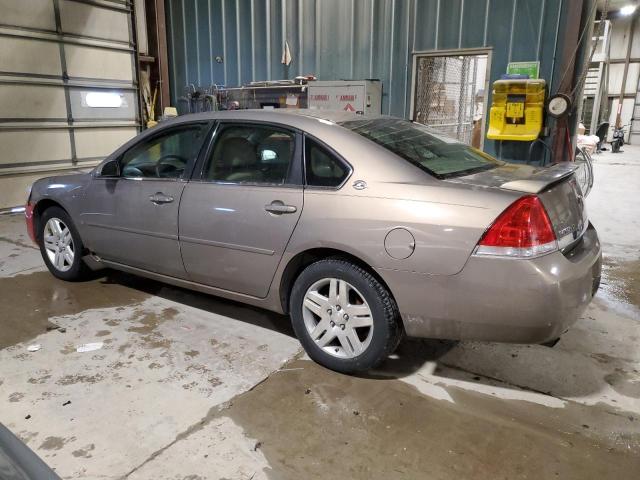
628 9
103 99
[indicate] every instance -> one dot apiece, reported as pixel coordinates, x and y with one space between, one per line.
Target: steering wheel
164 169
129 171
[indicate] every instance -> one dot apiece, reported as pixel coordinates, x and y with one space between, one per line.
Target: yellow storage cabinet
517 110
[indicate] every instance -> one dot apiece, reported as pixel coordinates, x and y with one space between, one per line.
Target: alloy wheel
337 318
58 244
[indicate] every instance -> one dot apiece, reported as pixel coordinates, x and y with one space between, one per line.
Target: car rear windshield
439 156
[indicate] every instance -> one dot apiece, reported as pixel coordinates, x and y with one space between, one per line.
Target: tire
69 245
615 147
326 329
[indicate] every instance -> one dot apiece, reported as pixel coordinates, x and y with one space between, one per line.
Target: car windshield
439 156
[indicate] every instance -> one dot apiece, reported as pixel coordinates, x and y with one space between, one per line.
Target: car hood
53 186
518 177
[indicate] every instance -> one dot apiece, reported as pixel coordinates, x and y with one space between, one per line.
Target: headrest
238 152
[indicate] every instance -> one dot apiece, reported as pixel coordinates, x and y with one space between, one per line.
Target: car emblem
565 231
359 184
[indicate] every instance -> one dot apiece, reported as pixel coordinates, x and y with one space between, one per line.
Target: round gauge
559 105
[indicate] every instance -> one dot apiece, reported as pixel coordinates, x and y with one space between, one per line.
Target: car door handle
160 198
278 207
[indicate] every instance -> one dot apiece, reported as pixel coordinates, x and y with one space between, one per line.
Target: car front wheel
344 317
61 246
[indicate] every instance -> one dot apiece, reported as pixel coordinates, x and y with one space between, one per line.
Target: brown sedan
362 229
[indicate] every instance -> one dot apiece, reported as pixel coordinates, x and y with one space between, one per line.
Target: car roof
323 125
296 117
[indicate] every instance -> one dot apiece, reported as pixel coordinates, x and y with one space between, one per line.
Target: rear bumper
501 299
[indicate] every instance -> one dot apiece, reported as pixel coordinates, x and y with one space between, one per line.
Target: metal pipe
555 45
371 37
411 25
238 44
224 42
486 23
211 41
393 21
135 73
513 22
437 29
253 41
173 48
184 45
283 15
318 37
268 34
197 30
540 25
353 38
460 24
300 37
632 28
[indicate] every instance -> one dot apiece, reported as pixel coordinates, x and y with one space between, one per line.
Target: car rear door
239 211
133 219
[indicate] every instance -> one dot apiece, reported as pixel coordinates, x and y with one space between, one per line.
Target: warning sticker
515 110
349 98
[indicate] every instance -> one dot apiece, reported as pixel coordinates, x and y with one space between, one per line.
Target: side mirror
110 169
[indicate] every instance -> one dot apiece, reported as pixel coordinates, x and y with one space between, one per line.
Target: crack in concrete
213 413
18 243
37 267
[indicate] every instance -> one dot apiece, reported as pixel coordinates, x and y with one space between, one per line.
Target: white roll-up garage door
68 94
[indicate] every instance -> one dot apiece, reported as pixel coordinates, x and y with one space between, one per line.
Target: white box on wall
346 95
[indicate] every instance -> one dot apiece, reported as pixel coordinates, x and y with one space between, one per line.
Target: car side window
322 167
165 156
251 154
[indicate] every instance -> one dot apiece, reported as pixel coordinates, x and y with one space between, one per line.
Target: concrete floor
187 386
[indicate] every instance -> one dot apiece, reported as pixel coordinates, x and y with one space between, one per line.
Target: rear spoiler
542 179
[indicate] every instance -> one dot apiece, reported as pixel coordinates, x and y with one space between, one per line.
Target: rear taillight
523 230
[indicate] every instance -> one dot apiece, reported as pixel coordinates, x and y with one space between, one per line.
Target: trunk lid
518 177
564 204
556 186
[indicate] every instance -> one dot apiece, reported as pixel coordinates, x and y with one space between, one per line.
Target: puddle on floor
621 281
31 299
310 422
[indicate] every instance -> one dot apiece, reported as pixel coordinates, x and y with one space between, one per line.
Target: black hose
531 145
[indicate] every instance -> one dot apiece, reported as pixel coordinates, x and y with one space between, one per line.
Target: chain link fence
445 90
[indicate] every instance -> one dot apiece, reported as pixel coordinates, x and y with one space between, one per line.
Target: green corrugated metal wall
344 39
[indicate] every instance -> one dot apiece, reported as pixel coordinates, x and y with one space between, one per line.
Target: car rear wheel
61 246
344 317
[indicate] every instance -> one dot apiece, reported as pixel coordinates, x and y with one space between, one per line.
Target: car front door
133 219
238 213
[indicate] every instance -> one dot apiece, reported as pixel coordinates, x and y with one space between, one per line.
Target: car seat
236 160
